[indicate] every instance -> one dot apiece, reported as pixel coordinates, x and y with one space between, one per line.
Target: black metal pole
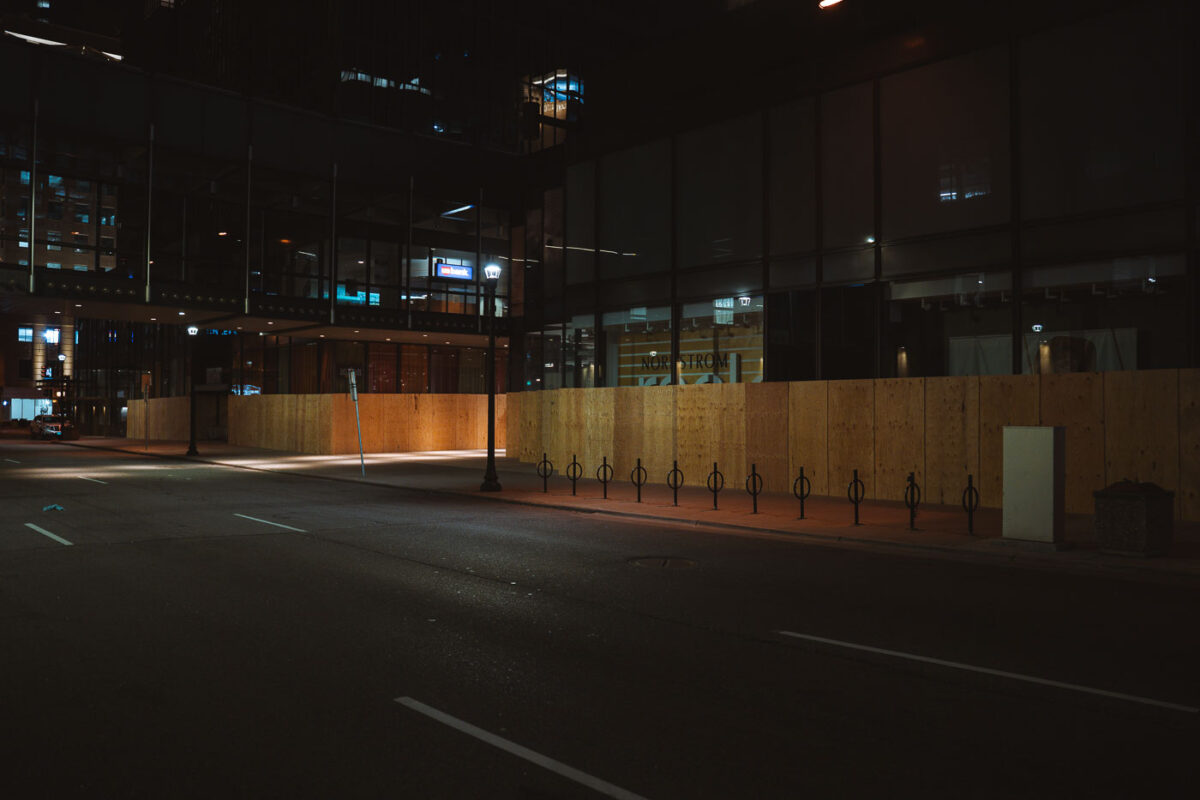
191 451
491 482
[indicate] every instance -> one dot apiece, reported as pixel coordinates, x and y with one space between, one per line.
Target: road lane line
45 532
603 787
268 522
93 480
1016 676
11 461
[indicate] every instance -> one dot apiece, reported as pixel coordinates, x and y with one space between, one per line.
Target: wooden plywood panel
388 432
321 411
697 434
808 433
1003 400
469 414
951 438
851 435
1189 444
1142 440
1075 401
445 420
502 422
628 406
553 431
899 435
596 424
767 433
571 426
529 433
343 438
730 410
238 410
659 421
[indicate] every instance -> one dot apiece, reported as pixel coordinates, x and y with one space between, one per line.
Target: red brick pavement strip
940 529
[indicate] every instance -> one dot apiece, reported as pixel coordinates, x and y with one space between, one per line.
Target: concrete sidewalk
939 530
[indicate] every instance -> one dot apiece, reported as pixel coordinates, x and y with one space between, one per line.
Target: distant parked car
52 426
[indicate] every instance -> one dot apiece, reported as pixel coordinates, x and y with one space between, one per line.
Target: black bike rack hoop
801 488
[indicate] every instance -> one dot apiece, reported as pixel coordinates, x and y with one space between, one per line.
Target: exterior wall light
1037 327
828 3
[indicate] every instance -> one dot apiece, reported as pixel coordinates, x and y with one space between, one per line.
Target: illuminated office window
24 334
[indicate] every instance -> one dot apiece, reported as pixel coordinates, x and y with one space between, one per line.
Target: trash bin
1135 519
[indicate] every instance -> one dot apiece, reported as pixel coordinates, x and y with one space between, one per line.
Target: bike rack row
715 482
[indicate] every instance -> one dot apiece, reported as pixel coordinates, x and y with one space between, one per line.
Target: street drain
663 562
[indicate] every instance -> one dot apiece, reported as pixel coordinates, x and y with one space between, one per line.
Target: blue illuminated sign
458 272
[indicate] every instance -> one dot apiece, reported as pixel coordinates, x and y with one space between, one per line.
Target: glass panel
635 197
721 341
637 345
381 367
719 192
552 258
414 369
385 274
352 271
1125 313
581 223
793 177
552 352
959 325
580 351
847 167
848 332
792 351
472 378
443 370
944 136
1102 123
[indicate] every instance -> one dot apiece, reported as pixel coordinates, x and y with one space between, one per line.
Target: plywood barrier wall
767 410
1146 445
899 436
1003 400
170 419
1076 402
808 434
1189 443
659 431
1137 425
951 438
851 435
512 423
324 424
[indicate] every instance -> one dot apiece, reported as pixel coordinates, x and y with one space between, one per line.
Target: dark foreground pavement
218 632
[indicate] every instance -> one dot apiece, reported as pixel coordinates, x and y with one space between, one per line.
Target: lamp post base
490 484
192 451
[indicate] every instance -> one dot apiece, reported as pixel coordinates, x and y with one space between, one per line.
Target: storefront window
721 341
637 345
1126 313
580 351
958 325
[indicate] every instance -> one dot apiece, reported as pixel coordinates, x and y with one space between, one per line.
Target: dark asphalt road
177 649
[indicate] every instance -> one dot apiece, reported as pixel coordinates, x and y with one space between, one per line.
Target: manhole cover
663 562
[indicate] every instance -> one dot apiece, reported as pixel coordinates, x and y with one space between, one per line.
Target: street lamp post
491 482
191 451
